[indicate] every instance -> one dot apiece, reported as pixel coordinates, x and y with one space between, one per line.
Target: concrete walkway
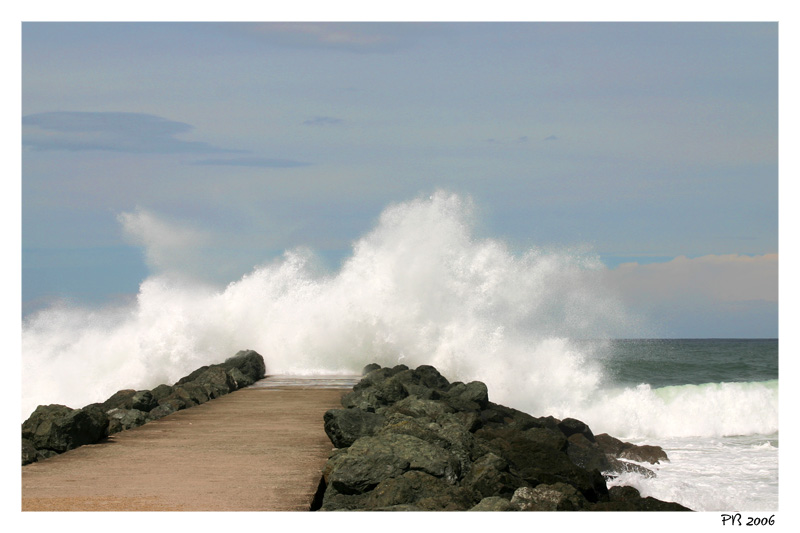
257 449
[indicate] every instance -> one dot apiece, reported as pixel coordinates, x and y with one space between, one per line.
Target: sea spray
420 288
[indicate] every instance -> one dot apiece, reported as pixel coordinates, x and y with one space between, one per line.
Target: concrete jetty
261 448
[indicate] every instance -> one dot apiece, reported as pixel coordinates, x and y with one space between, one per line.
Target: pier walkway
261 448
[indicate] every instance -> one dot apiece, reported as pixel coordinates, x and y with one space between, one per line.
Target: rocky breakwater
409 440
54 429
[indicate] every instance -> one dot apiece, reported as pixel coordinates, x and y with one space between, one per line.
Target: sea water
423 288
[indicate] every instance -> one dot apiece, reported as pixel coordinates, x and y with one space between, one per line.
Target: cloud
714 295
352 36
322 121
726 278
522 139
551 138
109 131
260 162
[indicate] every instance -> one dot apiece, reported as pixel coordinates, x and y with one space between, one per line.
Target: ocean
712 404
422 287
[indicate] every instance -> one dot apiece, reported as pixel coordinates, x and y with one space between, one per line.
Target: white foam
418 289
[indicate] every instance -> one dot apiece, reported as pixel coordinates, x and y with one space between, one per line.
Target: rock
144 401
369 368
53 429
370 460
644 454
122 399
59 428
28 452
489 476
625 450
555 497
161 392
122 419
587 454
38 427
421 490
494 503
249 363
629 499
411 440
473 396
570 426
163 409
344 426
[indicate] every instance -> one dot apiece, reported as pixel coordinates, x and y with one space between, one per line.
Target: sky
206 148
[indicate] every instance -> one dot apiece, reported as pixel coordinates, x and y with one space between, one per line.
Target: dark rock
28 452
38 427
617 467
53 429
411 440
249 363
632 452
422 490
161 392
473 396
587 454
369 368
143 400
644 454
122 399
122 419
544 461
163 409
59 428
489 476
629 499
570 426
370 460
344 426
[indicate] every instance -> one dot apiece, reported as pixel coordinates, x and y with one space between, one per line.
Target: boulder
249 363
53 429
122 419
344 426
28 452
411 440
623 498
494 503
631 452
422 490
59 428
555 497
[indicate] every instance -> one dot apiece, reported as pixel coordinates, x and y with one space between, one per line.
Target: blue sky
208 148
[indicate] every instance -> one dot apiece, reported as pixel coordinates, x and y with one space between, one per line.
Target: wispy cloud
348 36
110 131
322 121
522 139
262 162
